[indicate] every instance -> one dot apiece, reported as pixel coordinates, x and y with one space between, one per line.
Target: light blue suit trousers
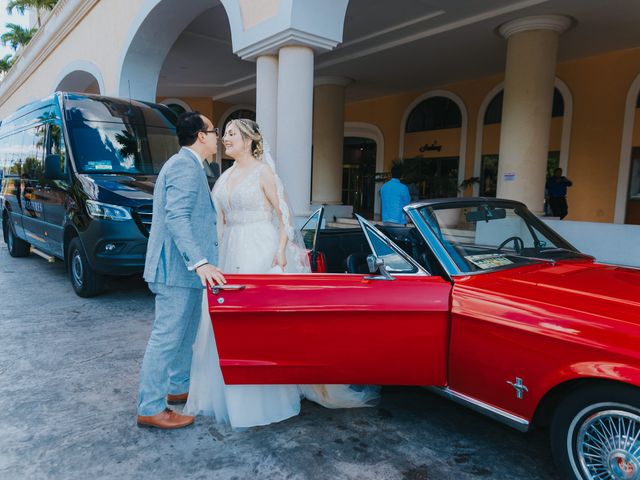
170 346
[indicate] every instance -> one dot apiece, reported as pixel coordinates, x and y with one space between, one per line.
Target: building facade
481 98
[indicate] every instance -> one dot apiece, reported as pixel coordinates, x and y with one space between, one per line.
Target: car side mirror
376 264
52 168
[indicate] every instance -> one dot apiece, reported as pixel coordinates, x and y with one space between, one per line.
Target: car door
309 233
334 328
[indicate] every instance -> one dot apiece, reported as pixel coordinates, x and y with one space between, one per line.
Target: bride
256 235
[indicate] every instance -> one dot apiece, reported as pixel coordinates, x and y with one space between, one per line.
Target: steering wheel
518 244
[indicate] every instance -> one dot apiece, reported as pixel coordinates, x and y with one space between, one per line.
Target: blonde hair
250 130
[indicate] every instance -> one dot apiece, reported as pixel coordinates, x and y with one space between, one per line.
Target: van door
32 184
56 192
11 203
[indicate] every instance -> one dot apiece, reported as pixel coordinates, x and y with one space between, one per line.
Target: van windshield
113 137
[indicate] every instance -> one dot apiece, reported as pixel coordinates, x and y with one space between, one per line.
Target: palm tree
38 5
17 36
6 63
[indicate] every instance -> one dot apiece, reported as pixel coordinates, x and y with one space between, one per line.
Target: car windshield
486 236
111 137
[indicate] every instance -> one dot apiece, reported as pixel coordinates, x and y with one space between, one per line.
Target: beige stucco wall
93 40
599 86
257 11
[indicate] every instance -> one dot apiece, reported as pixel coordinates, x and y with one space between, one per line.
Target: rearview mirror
485 213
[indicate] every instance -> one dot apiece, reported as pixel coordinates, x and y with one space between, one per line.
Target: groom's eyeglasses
215 130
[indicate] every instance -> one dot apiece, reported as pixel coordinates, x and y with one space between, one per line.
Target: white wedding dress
249 238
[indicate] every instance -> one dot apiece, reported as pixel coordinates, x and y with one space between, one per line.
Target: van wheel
16 246
595 433
84 280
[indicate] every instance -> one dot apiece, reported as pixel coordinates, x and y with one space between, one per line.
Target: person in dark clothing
556 190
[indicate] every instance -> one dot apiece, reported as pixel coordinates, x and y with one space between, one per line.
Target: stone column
267 98
295 114
328 140
526 112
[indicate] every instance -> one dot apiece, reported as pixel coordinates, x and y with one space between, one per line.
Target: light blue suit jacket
183 229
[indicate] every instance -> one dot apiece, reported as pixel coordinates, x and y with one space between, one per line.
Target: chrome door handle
378 277
216 288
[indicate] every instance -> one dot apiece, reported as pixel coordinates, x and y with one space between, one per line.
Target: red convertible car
477 299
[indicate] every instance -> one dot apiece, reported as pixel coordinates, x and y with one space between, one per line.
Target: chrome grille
144 215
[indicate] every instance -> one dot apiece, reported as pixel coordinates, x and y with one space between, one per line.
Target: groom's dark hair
188 127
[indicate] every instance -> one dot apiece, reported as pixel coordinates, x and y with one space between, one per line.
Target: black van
78 172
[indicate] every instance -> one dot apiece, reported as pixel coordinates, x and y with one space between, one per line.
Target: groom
181 254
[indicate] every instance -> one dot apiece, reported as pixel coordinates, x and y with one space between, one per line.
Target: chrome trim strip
440 253
390 244
490 411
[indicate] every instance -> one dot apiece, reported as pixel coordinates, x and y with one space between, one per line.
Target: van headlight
107 212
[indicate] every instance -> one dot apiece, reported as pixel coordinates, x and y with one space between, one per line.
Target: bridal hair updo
250 130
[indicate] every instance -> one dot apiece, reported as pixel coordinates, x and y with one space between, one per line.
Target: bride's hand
280 260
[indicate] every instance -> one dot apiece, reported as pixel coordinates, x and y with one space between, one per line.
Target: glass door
358 175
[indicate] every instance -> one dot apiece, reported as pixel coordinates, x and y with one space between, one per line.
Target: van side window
4 164
33 152
14 154
56 145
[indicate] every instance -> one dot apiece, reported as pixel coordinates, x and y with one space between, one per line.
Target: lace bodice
248 223
245 202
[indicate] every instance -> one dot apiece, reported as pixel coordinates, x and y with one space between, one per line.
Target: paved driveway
68 382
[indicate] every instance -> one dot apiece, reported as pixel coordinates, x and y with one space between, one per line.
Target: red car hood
605 290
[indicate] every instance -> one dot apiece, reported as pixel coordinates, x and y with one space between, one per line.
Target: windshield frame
415 213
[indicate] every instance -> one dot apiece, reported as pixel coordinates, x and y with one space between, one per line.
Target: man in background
556 188
394 195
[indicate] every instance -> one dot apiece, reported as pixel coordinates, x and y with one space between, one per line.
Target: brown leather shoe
166 419
177 399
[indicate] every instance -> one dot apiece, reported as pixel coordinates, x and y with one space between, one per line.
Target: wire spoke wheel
608 446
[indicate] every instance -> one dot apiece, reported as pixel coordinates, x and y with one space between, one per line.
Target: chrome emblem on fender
519 386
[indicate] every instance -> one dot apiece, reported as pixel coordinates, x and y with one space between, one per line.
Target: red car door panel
328 328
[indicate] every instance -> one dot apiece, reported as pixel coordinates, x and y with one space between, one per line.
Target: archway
490 107
84 77
445 113
153 35
370 132
631 121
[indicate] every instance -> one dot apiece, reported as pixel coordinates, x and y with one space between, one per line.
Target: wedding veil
297 258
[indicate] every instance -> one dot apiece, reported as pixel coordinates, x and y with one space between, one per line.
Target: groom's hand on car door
210 275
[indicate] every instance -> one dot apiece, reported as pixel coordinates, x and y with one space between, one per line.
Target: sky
6 18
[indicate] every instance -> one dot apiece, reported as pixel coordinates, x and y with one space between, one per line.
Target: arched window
494 109
242 113
225 161
177 109
557 110
435 113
